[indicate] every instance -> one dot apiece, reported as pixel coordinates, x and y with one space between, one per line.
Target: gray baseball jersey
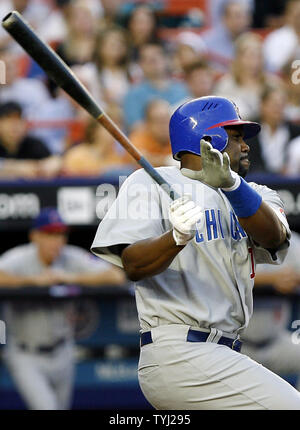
267 338
40 322
272 313
209 283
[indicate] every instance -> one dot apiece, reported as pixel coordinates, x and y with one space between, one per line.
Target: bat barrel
61 74
49 61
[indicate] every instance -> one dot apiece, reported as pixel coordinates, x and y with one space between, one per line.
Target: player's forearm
8 280
18 168
256 217
264 278
149 257
8 169
264 227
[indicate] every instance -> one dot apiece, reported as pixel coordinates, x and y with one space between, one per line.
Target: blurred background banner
77 199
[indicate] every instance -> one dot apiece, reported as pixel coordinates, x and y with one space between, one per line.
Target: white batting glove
216 170
184 214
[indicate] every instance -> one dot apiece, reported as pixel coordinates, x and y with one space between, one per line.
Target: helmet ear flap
206 137
218 138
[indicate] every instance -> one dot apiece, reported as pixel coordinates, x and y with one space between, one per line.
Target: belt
43 349
262 344
198 336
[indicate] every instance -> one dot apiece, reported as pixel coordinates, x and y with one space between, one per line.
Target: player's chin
244 166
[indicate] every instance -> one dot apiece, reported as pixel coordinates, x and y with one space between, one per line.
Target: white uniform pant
44 381
280 355
176 374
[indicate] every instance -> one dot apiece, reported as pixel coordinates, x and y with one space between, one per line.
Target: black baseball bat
62 75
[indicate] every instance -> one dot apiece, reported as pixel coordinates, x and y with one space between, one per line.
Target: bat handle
158 178
114 130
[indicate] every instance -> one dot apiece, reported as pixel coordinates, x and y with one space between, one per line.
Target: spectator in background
60 122
110 13
247 79
267 339
268 14
189 48
215 10
157 83
291 77
219 40
53 27
30 93
142 26
292 112
293 158
269 149
282 45
34 11
152 137
98 153
40 348
79 44
53 120
56 29
112 61
22 156
199 78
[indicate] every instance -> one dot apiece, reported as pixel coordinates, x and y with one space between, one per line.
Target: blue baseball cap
49 221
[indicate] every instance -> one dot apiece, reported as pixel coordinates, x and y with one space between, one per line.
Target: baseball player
40 348
193 262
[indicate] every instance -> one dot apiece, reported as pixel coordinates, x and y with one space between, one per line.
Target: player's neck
191 161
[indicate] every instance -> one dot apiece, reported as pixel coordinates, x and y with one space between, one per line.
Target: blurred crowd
140 60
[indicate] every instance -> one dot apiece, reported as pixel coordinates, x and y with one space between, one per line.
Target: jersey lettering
214 228
199 237
220 223
237 231
211 224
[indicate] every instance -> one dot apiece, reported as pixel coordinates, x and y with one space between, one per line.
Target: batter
193 262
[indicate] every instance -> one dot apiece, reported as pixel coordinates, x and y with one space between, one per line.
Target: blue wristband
244 200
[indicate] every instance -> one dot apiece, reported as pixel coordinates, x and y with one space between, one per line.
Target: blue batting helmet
206 117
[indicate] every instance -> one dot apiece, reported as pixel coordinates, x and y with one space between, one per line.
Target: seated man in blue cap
40 347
